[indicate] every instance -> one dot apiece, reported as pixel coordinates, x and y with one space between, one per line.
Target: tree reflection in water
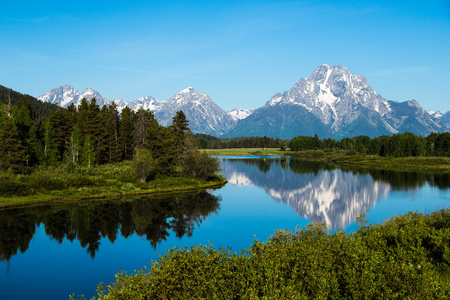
153 217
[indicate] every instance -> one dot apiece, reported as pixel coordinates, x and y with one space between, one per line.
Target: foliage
397 145
143 164
407 257
205 141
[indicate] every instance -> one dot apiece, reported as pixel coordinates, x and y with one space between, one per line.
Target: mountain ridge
332 102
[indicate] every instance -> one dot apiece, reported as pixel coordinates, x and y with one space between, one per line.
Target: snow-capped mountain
240 113
120 104
145 103
332 103
203 114
435 114
66 95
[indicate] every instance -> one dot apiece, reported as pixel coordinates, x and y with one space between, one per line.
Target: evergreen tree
180 131
159 141
83 116
23 120
11 149
112 133
126 128
143 120
50 155
61 125
95 128
35 144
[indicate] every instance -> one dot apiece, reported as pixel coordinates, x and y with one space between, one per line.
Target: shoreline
408 164
75 195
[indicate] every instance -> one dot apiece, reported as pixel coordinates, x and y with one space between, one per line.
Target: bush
407 257
11 187
199 165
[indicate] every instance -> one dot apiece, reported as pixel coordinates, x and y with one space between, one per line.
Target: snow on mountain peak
240 113
189 89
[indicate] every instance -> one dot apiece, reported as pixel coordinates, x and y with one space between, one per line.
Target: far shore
343 158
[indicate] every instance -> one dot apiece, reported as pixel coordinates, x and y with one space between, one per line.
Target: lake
52 251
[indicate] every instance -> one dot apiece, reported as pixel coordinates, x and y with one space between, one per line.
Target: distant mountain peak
240 113
189 89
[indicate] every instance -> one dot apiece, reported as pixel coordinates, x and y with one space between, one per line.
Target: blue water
263 194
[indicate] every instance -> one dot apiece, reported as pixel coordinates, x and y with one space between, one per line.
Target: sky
240 53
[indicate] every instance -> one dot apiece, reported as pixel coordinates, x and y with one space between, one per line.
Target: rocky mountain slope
333 102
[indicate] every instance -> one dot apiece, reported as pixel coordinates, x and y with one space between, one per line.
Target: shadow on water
153 217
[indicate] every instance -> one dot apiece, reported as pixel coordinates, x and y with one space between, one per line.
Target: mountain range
333 102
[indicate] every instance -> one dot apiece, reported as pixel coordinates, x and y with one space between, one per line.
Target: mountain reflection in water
320 191
153 217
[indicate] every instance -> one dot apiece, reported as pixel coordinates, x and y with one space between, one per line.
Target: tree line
88 135
210 142
397 145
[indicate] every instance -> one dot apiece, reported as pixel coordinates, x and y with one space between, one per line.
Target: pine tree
23 120
50 155
143 120
180 131
83 116
95 128
126 128
11 149
112 130
60 122
159 141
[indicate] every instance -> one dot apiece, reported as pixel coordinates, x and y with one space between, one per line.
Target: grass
56 185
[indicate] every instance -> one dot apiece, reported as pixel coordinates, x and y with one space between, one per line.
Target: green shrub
11 187
407 257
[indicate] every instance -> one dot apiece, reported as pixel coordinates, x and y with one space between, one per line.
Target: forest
90 135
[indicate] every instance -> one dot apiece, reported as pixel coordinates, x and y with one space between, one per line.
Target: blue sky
239 52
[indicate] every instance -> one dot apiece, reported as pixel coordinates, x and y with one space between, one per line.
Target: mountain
66 95
334 103
437 115
445 120
145 103
240 113
409 116
120 104
39 108
203 114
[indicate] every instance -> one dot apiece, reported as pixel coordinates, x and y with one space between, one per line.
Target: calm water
50 252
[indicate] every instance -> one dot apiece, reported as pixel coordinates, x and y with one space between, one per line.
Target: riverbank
347 158
58 185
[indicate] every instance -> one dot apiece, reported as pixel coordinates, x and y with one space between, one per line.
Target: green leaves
406 257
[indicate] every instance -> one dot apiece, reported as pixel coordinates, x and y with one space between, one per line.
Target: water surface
50 252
